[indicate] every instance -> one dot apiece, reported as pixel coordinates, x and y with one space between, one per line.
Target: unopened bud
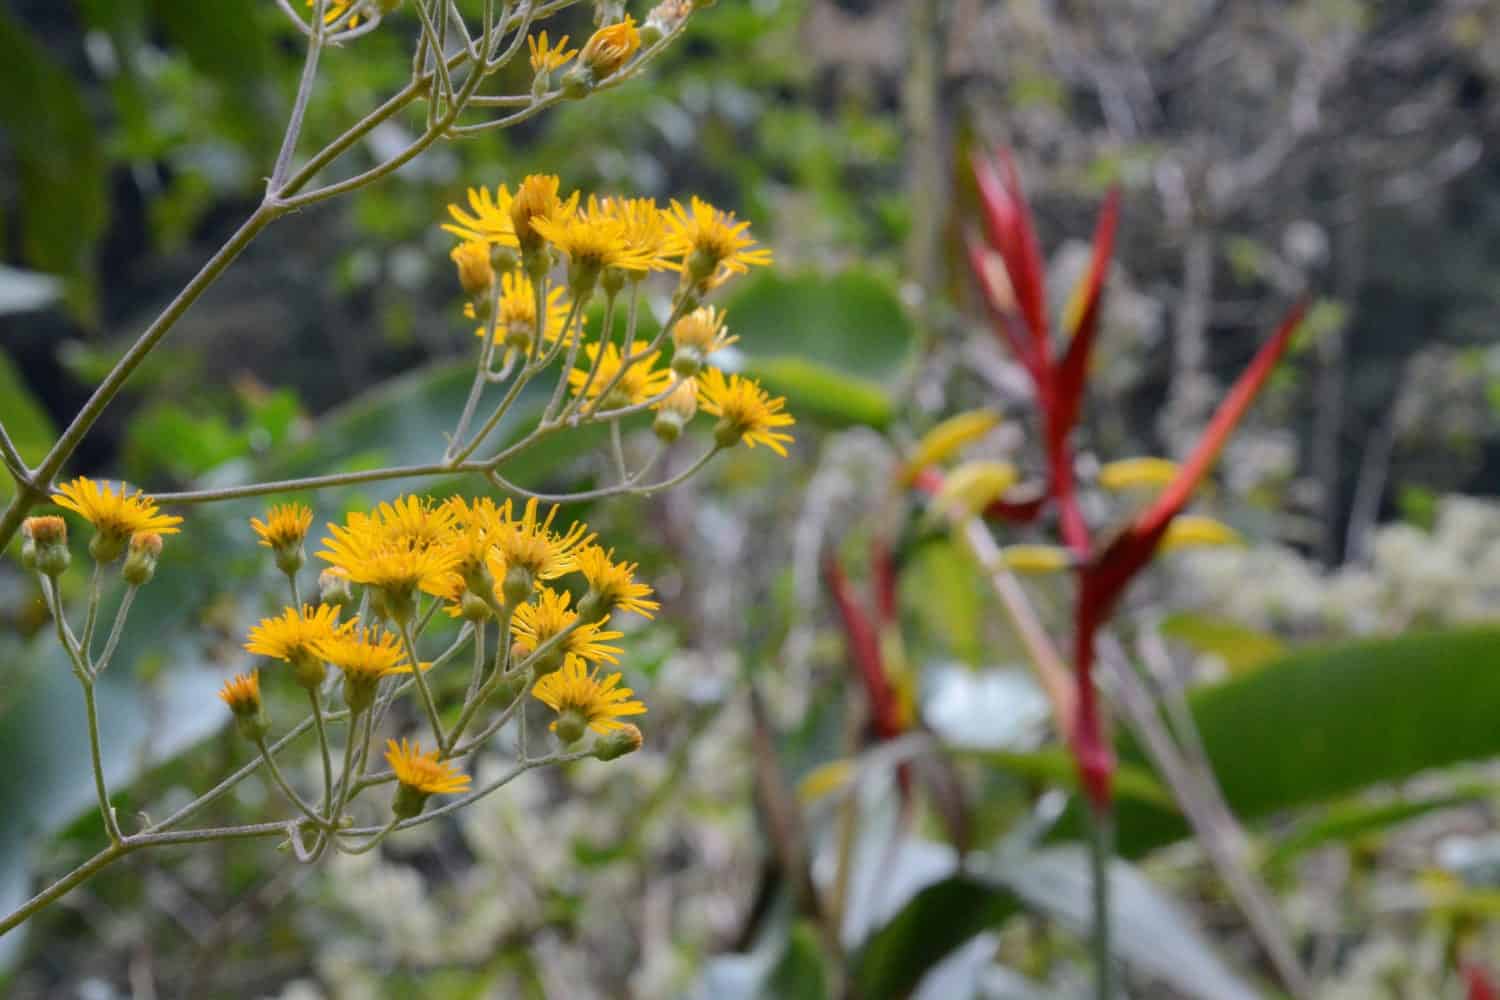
618 742
687 361
610 48
44 545
290 559
676 410
474 608
140 564
570 726
334 587
242 695
475 271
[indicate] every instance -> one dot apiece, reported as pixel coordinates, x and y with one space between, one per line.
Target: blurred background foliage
1338 149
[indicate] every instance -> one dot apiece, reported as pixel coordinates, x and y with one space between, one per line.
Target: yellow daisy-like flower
593 240
537 201
284 527
295 633
530 544
612 585
365 654
517 315
645 228
610 47
402 546
546 57
745 411
702 330
534 624
115 514
600 704
242 693
489 218
710 244
641 381
423 772
476 275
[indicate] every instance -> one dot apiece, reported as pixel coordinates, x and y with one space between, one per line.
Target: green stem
1101 848
416 669
317 719
281 783
111 826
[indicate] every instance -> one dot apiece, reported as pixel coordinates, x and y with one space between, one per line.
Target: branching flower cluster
534 601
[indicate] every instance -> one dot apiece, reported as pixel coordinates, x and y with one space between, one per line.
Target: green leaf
818 392
1055 766
1348 821
944 587
801 974
927 929
1239 647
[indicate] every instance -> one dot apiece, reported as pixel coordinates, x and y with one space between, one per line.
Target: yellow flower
702 330
612 585
516 321
489 220
641 381
1188 531
242 693
645 227
575 689
711 245
365 655
1137 473
530 546
945 440
402 546
115 515
1036 560
593 240
973 486
534 624
544 57
537 201
475 272
284 527
746 413
295 634
423 772
610 48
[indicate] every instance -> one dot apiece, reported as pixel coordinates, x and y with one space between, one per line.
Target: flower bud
334 587
570 726
242 695
140 564
475 271
610 48
474 608
47 540
674 412
664 18
618 742
518 585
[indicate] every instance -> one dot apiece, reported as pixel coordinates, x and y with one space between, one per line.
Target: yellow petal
1189 531
825 780
944 440
1036 559
971 487
1137 473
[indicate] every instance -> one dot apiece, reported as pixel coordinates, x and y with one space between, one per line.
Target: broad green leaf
801 973
927 929
819 392
1239 647
944 587
1347 821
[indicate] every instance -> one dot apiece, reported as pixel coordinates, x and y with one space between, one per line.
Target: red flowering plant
1007 263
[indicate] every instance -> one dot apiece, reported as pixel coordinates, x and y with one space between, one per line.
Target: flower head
115 515
488 220
702 330
612 585
401 547
711 244
284 527
516 322
610 48
530 546
476 274
644 228
423 771
537 201
546 57
242 693
593 240
296 634
364 657
578 691
745 411
534 624
641 381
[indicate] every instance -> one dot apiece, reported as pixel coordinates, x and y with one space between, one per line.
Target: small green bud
570 726
474 608
44 545
667 426
687 361
618 742
140 564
